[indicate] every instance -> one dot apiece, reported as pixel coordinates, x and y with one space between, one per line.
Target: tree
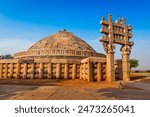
7 56
134 63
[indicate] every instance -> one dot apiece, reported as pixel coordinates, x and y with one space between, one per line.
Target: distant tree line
7 56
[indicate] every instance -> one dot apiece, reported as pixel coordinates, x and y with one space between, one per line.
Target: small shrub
147 71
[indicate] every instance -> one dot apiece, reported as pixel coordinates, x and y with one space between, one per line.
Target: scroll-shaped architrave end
103 18
130 35
129 27
131 43
104 39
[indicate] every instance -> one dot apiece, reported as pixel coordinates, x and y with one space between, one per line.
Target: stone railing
90 69
93 69
53 52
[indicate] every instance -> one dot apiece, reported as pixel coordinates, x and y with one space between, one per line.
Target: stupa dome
60 45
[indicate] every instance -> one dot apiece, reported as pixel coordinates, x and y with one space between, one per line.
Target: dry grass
136 76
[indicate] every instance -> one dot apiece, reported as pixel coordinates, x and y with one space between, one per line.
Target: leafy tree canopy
134 63
7 56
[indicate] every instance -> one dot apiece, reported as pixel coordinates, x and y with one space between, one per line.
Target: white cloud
11 46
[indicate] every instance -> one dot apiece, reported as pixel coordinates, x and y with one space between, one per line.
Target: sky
24 22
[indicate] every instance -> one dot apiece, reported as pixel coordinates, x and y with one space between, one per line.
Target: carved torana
116 33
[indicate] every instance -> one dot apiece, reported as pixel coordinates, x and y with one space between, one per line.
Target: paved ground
70 90
140 85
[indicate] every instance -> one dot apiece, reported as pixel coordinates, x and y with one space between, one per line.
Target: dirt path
140 85
58 93
67 90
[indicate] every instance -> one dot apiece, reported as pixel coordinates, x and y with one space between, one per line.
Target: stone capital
109 47
126 50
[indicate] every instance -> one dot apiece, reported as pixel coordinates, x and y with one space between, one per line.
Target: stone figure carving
123 21
105 46
119 19
126 49
109 47
103 18
110 17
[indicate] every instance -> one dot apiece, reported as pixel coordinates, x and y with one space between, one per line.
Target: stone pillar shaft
41 71
84 71
11 70
25 71
81 71
32 71
99 72
110 68
18 71
126 50
1 70
6 70
49 70
58 71
66 71
89 72
74 71
126 67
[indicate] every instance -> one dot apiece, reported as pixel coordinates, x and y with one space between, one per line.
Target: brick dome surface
62 41
60 45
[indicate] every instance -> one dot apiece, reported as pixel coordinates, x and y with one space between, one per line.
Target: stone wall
91 69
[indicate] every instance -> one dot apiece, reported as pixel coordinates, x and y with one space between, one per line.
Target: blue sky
23 22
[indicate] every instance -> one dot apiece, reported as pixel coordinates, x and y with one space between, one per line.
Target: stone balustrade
53 52
91 69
